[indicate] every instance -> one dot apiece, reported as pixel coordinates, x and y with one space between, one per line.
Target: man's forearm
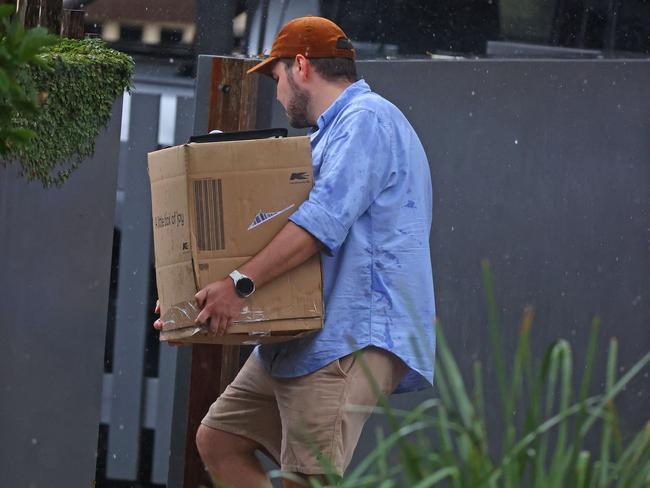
290 248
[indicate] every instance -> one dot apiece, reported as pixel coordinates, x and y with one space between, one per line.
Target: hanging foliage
78 82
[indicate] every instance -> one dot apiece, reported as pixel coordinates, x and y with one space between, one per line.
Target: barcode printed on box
208 202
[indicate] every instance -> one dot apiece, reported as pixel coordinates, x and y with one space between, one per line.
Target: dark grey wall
55 252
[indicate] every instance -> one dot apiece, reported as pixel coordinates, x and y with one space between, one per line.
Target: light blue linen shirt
371 208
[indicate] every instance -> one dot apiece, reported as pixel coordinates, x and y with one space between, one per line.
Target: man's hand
220 306
158 325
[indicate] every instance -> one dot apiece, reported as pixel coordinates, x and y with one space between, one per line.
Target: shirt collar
354 90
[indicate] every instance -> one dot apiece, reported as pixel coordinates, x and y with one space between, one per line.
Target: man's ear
303 67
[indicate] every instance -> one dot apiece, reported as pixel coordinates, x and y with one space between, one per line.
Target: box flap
167 163
262 154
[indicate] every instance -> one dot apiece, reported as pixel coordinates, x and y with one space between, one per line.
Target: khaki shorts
297 420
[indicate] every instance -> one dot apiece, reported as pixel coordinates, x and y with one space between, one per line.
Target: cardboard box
214 206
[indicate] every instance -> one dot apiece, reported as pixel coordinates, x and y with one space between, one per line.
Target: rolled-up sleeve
357 165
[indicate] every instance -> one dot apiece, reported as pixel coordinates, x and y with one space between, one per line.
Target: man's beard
297 107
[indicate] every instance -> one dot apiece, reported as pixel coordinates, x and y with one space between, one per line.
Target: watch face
245 286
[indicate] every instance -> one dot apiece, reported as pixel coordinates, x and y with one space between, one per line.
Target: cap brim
264 67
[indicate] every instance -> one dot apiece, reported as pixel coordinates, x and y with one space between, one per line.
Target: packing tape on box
184 314
179 322
180 315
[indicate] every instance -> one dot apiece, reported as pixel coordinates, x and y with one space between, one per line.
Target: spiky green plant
444 440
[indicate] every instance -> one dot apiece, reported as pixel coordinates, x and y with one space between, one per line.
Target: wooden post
29 11
51 13
73 24
233 95
232 106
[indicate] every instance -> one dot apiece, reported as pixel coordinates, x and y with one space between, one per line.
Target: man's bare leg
231 458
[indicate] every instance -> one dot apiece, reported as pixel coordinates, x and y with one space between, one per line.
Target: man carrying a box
369 216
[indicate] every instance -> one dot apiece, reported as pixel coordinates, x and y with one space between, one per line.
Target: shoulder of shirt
373 103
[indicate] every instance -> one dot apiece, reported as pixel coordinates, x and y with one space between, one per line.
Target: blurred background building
157 31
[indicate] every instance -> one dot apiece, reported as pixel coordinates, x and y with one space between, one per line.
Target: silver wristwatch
244 286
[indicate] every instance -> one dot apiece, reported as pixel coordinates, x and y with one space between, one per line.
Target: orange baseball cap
313 37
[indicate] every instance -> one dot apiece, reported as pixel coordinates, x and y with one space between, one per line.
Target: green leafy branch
19 48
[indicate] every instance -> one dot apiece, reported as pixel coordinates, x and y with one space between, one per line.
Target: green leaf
456 383
559 464
582 468
615 390
34 42
22 134
4 81
495 334
434 478
592 346
7 10
606 438
634 457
